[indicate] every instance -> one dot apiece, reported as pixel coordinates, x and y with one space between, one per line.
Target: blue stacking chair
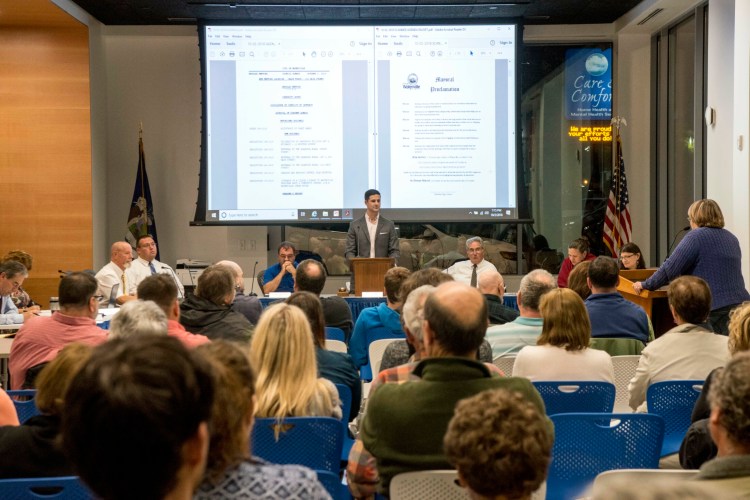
333 333
314 442
576 397
345 395
25 403
53 488
674 401
589 443
333 485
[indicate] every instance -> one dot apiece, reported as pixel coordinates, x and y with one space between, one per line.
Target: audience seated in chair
492 286
161 290
729 424
209 310
500 445
231 472
283 354
8 414
562 351
525 329
688 351
248 305
384 318
578 279
40 339
137 318
135 419
334 366
311 277
33 449
408 415
698 447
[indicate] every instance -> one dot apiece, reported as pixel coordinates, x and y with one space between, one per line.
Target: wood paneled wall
45 142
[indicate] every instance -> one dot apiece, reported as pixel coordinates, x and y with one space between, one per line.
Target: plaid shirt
362 468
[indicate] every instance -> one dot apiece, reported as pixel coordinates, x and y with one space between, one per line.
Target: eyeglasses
627 256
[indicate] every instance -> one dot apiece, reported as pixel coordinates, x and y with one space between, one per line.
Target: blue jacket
613 316
382 321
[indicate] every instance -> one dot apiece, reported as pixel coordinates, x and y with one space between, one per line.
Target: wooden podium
368 274
653 302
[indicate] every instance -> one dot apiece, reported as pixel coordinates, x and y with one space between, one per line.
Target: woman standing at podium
710 252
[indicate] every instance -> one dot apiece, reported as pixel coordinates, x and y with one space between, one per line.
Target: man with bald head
249 306
492 286
311 277
114 273
405 422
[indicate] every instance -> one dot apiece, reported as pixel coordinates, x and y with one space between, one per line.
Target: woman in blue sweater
710 252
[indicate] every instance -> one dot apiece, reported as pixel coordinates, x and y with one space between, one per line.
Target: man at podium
372 235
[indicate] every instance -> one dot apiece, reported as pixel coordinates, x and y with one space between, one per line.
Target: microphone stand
671 246
180 295
252 285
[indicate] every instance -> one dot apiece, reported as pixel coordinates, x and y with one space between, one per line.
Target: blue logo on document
411 82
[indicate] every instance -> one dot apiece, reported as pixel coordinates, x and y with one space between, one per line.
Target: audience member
525 329
578 251
39 340
115 274
544 256
231 471
283 354
138 317
33 449
631 258
697 446
146 265
688 351
135 419
398 437
578 279
500 445
468 271
12 274
610 314
209 310
8 414
337 367
311 277
562 351
492 286
161 290
729 423
21 299
383 321
248 305
280 277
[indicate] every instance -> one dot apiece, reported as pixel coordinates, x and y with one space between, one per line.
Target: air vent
653 14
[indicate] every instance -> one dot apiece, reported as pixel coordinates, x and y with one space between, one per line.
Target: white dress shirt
461 271
139 270
109 276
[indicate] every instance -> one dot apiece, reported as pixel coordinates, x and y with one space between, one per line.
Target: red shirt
190 340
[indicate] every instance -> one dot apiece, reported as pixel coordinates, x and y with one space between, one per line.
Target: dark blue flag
141 217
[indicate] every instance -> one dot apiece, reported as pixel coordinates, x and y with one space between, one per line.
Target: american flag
617 225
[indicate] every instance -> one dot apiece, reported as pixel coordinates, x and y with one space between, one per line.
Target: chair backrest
54 488
674 400
505 363
345 395
587 444
314 442
336 346
624 367
576 397
605 480
259 279
376 350
25 403
372 335
334 333
617 347
433 484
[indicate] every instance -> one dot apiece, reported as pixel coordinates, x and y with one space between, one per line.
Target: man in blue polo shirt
611 315
280 277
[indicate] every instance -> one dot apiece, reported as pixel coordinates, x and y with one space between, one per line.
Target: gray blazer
358 239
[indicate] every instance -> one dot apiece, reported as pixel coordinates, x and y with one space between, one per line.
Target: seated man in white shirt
468 271
114 274
146 265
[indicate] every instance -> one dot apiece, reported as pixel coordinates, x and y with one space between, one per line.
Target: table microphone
252 286
669 251
174 277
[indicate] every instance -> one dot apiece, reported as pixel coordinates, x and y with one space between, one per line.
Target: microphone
180 295
252 285
669 251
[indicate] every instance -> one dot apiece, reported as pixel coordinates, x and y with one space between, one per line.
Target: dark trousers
719 319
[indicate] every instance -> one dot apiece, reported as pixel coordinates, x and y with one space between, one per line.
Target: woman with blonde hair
231 471
709 252
33 449
283 354
562 351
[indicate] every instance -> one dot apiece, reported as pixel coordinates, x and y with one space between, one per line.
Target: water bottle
54 304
